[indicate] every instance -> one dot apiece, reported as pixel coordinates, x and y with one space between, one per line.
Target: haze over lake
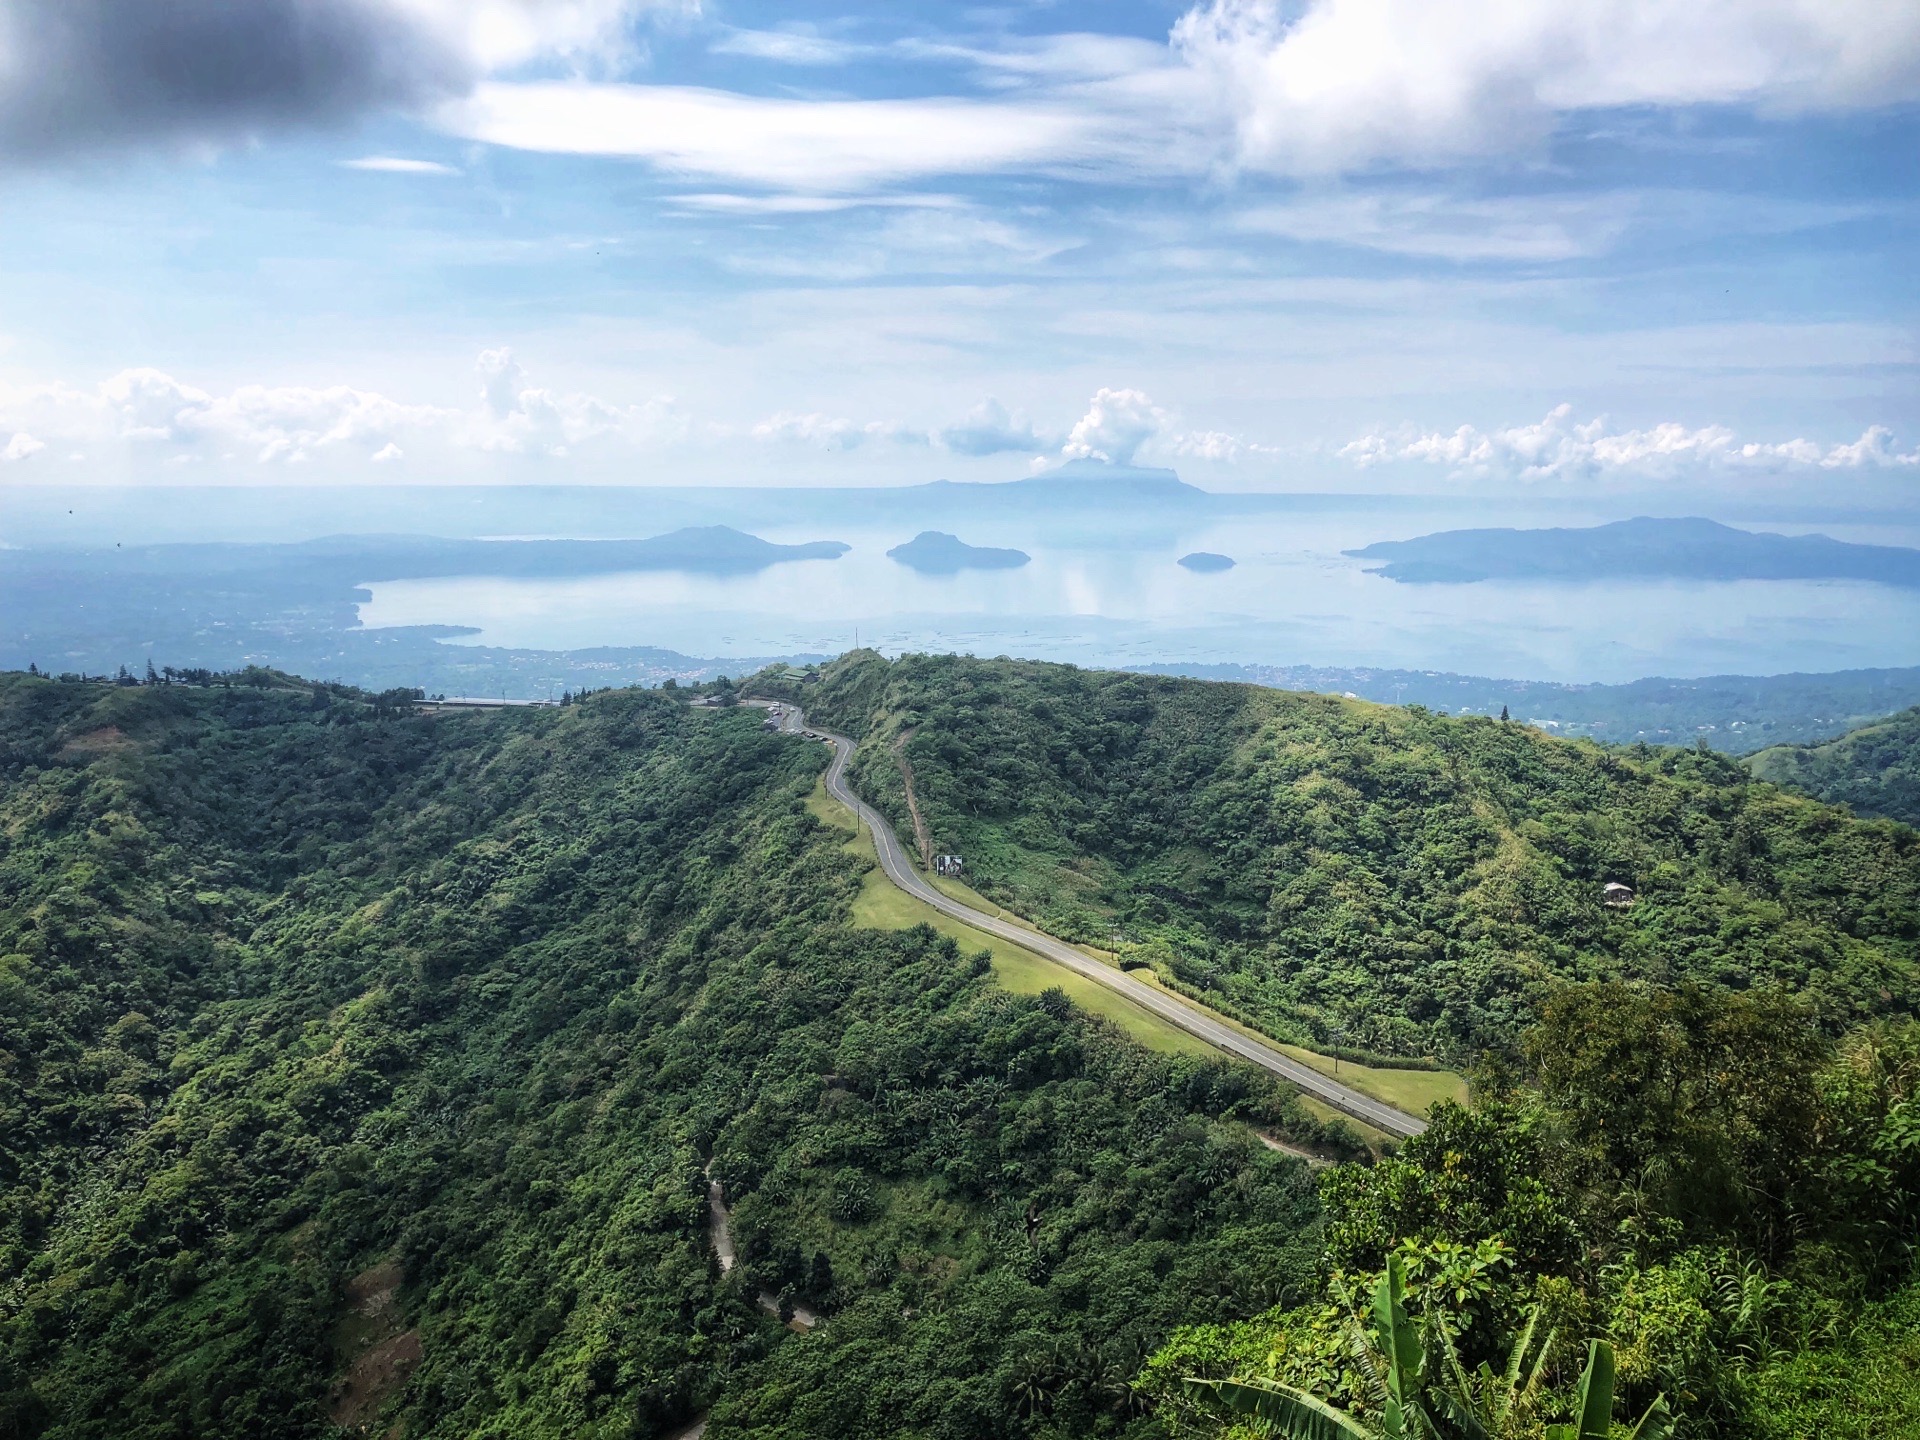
1292 598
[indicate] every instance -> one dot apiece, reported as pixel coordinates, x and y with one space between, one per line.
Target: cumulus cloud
501 380
1215 445
160 417
522 418
989 429
19 446
1560 448
1339 85
1279 86
1116 425
77 75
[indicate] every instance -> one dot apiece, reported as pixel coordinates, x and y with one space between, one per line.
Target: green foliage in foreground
1331 870
1419 1390
1699 1182
1875 770
363 1065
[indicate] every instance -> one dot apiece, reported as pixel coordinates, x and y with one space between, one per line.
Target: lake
1108 591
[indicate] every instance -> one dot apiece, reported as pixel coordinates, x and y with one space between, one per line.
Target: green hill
1333 869
362 1065
363 1068
1874 771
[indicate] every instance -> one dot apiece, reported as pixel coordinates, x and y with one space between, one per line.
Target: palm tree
1419 1399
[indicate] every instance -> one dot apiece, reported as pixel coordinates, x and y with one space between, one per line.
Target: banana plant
1422 1392
1593 1405
1392 1359
1487 1406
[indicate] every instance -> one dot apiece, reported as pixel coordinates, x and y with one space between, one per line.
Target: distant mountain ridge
1692 548
707 548
1078 482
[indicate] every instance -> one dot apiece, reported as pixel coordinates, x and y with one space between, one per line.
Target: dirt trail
720 1232
381 1353
1272 1143
920 836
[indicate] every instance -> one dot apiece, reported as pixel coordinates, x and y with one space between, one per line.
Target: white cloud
788 47
828 432
1340 85
77 75
1874 447
162 417
398 165
502 35
1070 57
1524 229
989 429
1116 425
1325 87
811 204
147 406
520 418
1215 445
786 144
501 380
1560 448
20 446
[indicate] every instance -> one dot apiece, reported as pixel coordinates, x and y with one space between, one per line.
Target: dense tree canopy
1703 1181
358 1063
366 1065
1874 771
1331 868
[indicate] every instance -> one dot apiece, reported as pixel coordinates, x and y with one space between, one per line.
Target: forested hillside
1336 870
363 1068
1874 771
360 1065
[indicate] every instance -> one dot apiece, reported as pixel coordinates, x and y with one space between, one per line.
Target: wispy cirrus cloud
792 46
800 145
398 165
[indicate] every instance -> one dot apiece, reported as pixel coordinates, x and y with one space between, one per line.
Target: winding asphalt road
1196 1022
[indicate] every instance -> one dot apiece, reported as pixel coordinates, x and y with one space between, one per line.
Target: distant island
1691 549
1205 562
934 552
707 549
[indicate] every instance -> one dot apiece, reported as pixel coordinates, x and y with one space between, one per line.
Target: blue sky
1632 245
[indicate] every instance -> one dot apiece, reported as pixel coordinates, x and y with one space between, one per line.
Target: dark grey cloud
82 75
